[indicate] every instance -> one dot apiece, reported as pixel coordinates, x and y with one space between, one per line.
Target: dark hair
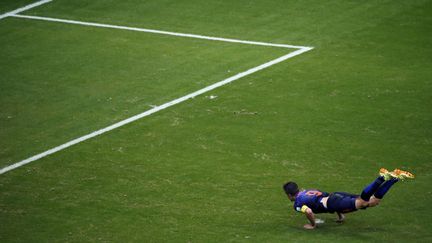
291 188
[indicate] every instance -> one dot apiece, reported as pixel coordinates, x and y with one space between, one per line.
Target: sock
371 188
383 189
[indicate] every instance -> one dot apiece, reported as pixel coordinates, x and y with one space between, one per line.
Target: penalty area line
162 32
154 110
25 8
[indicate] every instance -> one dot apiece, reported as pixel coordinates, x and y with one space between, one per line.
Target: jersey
310 199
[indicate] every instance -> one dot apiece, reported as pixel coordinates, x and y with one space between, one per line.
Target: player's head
291 189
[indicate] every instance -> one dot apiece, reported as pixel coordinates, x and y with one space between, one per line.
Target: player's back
312 199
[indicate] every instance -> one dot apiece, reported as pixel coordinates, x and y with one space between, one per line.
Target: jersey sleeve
301 208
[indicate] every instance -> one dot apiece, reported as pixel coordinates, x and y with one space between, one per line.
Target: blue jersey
311 199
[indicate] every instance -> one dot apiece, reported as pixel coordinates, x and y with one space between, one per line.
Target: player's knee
360 203
374 202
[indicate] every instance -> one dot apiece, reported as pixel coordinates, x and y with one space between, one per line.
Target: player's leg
347 194
397 175
341 202
390 179
384 188
370 190
364 200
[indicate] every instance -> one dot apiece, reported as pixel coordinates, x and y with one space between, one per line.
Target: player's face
291 198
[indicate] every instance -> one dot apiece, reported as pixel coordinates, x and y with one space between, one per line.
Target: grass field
211 169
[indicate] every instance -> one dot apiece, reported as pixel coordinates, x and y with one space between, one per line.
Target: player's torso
312 199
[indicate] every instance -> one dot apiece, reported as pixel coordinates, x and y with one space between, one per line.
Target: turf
211 170
72 91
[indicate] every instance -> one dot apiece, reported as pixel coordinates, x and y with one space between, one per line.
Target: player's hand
309 226
341 218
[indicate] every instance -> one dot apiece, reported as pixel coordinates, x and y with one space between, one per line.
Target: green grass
72 91
6 6
211 170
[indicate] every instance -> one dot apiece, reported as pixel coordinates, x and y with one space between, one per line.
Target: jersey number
314 193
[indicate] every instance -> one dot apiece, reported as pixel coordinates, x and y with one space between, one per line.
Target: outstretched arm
311 217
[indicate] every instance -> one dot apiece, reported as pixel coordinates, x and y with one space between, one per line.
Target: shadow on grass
351 230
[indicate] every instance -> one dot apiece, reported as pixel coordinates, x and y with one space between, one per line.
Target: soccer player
311 202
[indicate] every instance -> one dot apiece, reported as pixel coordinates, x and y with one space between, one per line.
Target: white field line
67 21
301 49
25 8
155 109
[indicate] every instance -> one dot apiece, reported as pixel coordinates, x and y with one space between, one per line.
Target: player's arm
341 217
310 216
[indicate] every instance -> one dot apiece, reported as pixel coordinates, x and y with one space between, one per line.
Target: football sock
371 188
383 189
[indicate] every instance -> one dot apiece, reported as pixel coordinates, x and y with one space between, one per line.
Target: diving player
311 202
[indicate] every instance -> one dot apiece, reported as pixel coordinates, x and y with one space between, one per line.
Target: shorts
341 202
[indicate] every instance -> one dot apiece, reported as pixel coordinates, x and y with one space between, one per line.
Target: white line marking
155 109
19 10
156 31
301 49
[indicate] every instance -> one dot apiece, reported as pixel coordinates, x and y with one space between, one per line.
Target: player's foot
386 174
402 175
